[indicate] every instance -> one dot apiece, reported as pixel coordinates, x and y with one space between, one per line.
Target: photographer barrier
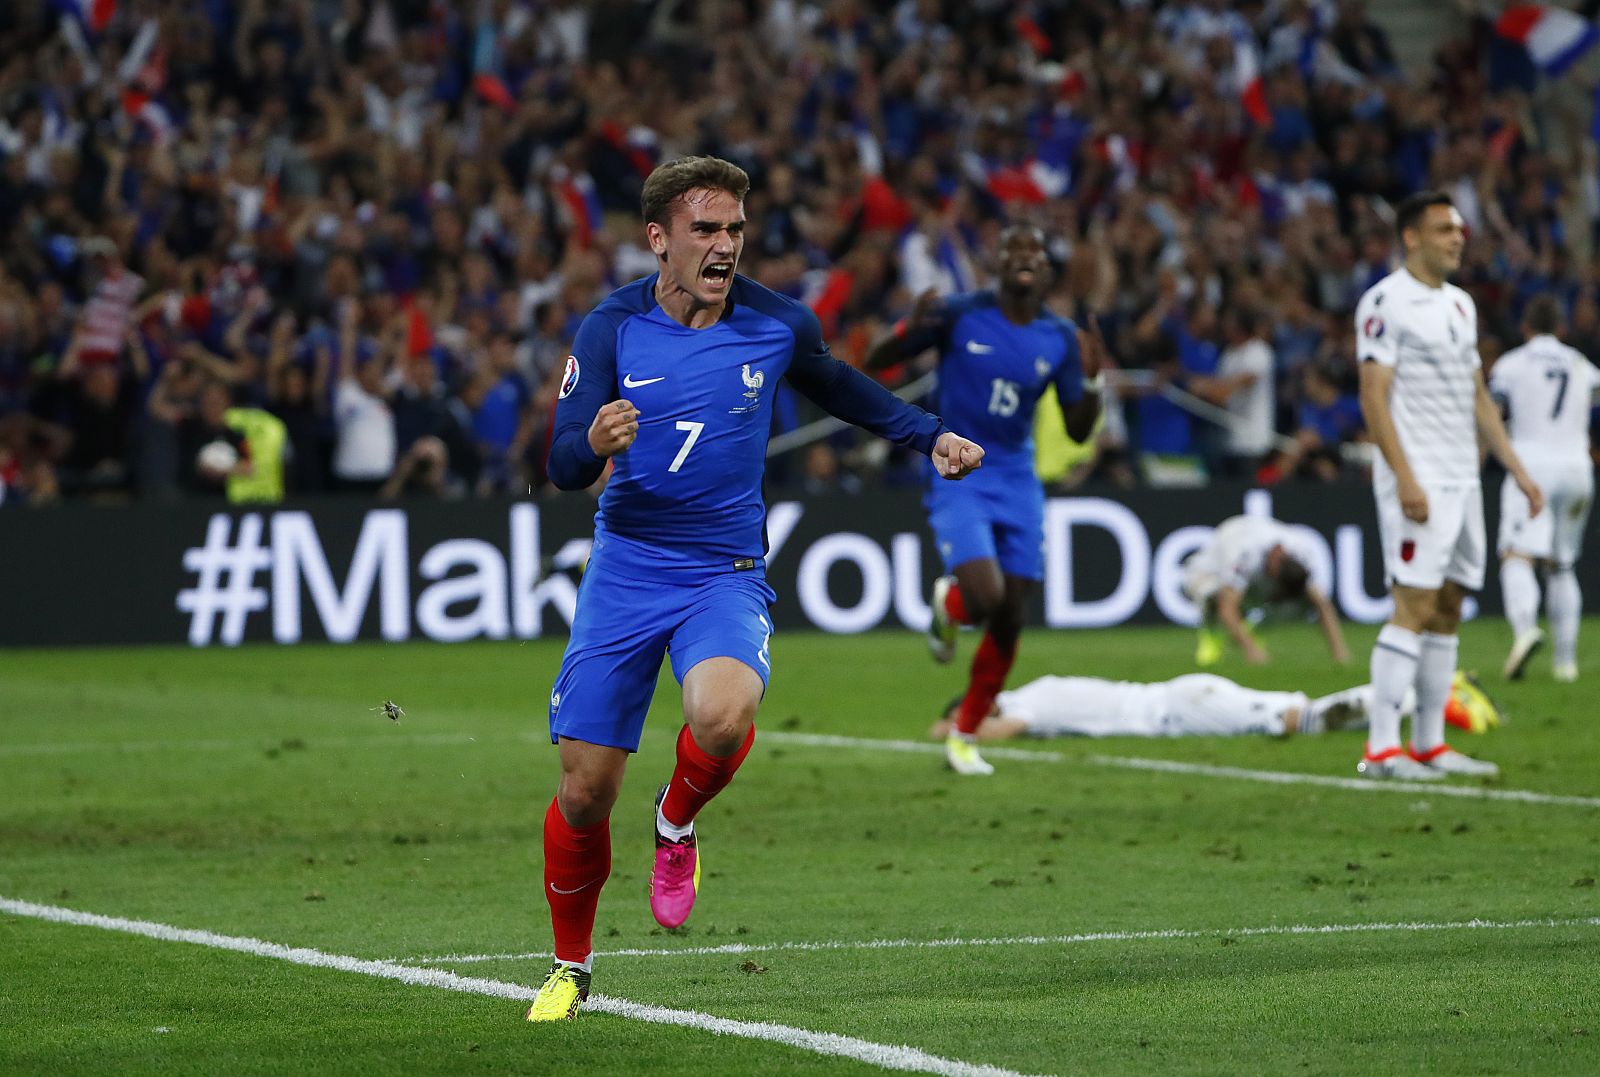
344 570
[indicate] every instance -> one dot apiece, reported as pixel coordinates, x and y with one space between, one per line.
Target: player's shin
697 778
989 669
1520 590
1436 667
1564 604
1394 669
577 863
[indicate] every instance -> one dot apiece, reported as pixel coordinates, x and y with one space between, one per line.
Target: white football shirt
1429 336
1237 552
1547 388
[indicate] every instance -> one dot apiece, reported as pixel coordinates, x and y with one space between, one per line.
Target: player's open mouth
717 274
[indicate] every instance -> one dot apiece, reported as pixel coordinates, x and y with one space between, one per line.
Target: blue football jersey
992 373
687 492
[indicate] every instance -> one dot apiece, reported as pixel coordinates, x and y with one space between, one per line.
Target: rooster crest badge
752 391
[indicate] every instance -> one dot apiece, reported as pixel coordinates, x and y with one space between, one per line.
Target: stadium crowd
357 236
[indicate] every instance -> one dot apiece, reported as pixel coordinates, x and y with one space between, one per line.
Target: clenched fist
614 428
955 457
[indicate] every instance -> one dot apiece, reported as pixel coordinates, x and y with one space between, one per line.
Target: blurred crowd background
351 240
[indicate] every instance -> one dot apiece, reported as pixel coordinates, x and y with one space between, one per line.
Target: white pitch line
886 1056
1359 785
824 740
1275 777
1041 940
915 747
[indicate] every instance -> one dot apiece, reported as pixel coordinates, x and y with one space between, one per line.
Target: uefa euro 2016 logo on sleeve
569 380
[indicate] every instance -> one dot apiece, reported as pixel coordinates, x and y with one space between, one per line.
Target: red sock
698 777
955 607
577 862
989 668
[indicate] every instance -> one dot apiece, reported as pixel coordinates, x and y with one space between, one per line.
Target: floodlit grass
261 792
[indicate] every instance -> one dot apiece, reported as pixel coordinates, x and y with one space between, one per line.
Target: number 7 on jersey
694 435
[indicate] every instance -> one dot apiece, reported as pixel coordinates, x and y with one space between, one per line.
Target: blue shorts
1002 519
623 628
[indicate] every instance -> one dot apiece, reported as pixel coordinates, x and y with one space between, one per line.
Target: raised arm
915 333
1080 415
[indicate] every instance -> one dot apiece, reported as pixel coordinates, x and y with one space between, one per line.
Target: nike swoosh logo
629 383
695 787
574 890
979 349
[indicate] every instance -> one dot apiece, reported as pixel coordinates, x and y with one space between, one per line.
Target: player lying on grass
1196 704
1249 561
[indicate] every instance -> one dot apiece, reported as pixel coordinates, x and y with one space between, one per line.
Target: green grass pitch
263 793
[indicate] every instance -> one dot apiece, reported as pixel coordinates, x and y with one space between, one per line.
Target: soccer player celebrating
671 379
1546 390
998 352
1257 560
1426 404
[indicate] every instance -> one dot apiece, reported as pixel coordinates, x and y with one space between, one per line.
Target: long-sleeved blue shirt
687 492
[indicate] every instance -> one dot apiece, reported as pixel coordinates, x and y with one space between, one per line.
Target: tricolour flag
1555 38
1247 77
94 14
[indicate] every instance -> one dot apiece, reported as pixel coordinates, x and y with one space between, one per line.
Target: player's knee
586 799
983 605
720 727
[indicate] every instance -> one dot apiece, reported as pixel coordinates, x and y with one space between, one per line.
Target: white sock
1519 589
1310 717
587 964
1394 668
671 831
1563 602
1436 668
1359 697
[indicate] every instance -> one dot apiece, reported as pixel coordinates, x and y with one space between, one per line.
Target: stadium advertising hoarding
451 571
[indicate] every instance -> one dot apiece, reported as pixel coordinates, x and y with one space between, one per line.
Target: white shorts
1202 577
1451 545
1556 534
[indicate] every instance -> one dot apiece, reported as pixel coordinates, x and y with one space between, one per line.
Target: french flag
95 15
1247 77
1554 38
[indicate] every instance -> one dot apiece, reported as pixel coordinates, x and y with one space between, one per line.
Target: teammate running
1546 390
998 352
1426 405
671 379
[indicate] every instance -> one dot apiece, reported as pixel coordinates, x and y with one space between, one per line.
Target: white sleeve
1375 338
1500 374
